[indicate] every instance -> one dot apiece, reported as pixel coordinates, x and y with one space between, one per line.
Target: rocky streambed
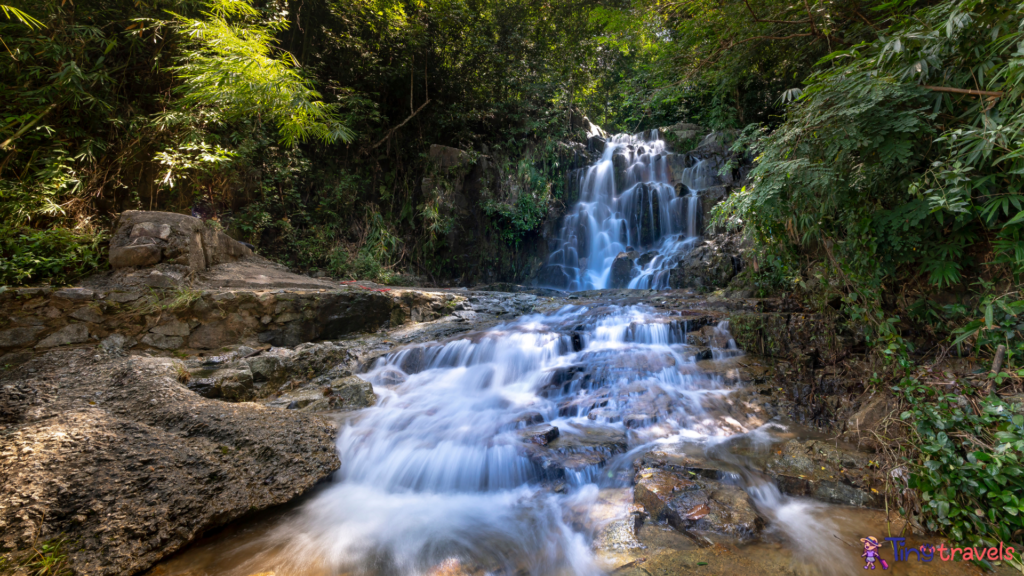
609 431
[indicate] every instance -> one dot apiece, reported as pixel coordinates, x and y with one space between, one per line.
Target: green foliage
895 179
233 70
57 256
969 471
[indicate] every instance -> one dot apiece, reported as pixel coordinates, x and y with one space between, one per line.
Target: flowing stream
451 469
511 450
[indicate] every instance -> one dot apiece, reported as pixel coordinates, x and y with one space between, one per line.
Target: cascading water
483 450
637 197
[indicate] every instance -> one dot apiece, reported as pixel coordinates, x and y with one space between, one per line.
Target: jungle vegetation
887 138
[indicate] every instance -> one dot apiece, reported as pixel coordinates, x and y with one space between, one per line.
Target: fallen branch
392 131
964 91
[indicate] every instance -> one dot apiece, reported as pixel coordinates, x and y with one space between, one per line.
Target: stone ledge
184 319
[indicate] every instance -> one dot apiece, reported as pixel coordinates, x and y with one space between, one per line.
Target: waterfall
638 200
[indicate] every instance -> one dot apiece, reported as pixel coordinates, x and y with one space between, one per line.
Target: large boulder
622 270
711 264
115 455
147 238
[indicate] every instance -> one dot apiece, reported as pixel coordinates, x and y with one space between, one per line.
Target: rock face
712 264
147 238
116 455
41 318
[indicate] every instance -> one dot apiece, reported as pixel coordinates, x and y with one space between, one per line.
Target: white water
637 196
437 470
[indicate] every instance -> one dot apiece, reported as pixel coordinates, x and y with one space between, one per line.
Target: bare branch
964 91
392 131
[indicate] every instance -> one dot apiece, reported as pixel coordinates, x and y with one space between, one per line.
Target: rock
871 413
122 297
70 334
266 368
706 266
219 248
137 255
354 393
709 198
151 230
683 131
622 270
87 314
116 343
162 279
233 382
826 472
655 488
147 238
163 342
148 462
539 434
718 142
77 294
448 157
715 507
172 328
218 334
19 337
391 377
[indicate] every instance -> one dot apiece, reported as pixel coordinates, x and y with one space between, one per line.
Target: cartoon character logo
870 554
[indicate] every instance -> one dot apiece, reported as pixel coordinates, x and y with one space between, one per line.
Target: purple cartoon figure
870 554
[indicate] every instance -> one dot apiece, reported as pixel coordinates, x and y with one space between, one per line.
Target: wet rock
718 508
354 392
579 455
523 420
70 334
823 471
655 488
539 434
622 270
390 377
